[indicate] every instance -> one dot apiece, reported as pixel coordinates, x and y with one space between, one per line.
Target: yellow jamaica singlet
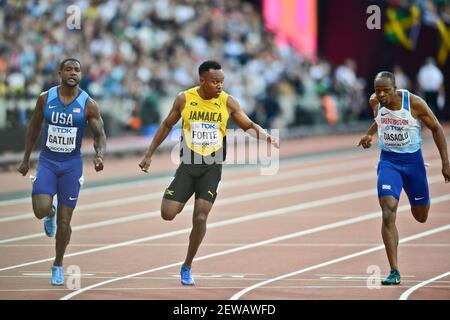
204 122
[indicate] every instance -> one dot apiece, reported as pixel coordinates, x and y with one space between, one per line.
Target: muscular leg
63 233
388 230
420 213
201 211
42 205
170 208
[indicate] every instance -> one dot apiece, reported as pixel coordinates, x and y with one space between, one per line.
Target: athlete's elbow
250 125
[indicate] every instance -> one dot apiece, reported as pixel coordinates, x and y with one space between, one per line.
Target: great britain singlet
398 131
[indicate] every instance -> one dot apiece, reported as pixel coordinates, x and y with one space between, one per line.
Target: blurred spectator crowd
146 50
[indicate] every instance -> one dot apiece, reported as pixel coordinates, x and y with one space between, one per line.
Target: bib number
394 136
205 134
61 139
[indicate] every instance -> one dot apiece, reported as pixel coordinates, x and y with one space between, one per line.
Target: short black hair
61 65
387 75
208 64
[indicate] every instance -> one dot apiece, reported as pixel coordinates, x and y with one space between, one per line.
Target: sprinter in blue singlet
398 118
64 110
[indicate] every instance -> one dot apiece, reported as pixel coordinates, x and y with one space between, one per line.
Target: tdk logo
208 125
62 130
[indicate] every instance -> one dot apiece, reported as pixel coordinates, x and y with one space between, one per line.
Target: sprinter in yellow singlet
204 111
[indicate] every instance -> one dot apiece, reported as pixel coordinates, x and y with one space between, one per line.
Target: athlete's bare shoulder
418 105
415 99
180 101
40 103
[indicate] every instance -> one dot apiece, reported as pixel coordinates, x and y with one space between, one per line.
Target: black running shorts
201 179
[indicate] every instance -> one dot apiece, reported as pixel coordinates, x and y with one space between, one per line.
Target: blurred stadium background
303 66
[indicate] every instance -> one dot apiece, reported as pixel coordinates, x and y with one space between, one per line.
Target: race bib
395 136
61 139
205 134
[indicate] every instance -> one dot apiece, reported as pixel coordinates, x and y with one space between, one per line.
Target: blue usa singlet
63 126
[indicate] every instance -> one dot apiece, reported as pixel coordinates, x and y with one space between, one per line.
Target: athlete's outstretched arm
366 140
34 128
244 122
95 122
163 130
424 113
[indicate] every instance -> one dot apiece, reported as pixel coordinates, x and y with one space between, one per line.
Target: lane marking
257 244
238 295
264 214
407 293
295 173
227 168
230 200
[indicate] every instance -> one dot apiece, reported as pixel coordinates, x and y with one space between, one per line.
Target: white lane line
183 244
238 295
230 200
179 288
140 184
303 172
406 294
264 214
261 243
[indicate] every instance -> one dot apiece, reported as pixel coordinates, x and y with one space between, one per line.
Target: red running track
312 231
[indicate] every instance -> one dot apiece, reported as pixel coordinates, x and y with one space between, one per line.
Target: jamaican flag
444 47
402 27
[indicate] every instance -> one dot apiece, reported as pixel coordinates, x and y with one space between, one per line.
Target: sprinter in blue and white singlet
399 116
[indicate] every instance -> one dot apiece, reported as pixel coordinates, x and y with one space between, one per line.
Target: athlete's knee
41 210
420 213
168 215
388 214
170 210
200 218
63 227
422 219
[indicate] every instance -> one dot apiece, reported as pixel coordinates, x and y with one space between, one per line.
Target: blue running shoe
50 222
392 279
57 276
186 276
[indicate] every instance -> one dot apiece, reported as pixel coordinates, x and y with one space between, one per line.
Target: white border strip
238 295
406 294
281 238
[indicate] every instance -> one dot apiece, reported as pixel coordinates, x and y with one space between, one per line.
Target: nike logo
51 107
383 114
418 198
70 198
